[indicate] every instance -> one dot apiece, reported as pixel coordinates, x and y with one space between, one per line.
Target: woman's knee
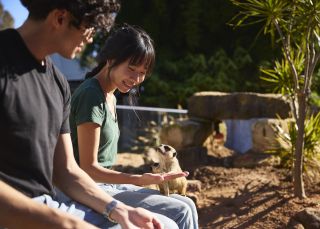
189 202
167 222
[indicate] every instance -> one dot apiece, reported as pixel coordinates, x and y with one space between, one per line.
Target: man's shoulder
59 78
11 45
7 32
6 36
54 68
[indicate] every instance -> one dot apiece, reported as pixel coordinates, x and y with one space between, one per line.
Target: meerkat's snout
164 148
155 167
166 151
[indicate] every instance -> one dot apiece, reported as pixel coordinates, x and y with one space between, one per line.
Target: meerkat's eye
174 154
167 148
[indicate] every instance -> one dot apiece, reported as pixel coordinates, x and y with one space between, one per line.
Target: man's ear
110 63
59 17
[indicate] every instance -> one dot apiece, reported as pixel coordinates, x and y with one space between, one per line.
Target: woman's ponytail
95 70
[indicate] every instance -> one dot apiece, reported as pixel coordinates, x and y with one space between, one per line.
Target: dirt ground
237 198
249 198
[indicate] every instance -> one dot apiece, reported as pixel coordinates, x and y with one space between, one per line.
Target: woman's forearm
104 175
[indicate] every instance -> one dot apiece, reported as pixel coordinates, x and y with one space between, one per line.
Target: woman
126 59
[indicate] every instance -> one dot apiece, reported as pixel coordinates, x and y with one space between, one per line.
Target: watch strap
108 209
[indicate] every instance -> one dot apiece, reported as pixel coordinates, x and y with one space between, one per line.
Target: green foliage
315 99
286 141
255 11
176 81
311 165
316 82
191 37
279 79
6 20
190 16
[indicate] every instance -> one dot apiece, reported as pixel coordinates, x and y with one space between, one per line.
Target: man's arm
19 211
74 182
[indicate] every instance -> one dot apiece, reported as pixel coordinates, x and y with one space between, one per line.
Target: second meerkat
168 162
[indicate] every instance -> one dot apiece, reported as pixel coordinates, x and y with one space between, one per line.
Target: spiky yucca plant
296 25
287 142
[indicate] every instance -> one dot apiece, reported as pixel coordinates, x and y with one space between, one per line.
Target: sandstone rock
194 186
192 157
309 218
195 197
242 105
130 159
294 224
264 134
185 133
252 159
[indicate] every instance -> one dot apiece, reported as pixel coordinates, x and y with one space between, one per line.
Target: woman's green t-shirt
88 104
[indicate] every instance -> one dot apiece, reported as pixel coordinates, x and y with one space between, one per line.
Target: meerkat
168 162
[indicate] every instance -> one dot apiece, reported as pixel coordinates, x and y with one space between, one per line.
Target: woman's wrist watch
108 209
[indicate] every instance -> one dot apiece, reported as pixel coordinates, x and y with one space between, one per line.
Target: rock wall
249 119
242 105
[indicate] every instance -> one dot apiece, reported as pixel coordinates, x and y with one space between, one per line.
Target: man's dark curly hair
99 14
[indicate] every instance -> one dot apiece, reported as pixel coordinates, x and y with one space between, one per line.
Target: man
35 145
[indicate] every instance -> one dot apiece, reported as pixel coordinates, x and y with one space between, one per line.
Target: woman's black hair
99 14
126 43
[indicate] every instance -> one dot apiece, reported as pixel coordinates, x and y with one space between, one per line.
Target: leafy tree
186 33
297 24
6 20
175 81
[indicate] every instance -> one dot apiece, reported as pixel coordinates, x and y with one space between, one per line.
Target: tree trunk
298 163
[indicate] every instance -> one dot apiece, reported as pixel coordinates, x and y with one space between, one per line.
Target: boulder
309 218
195 197
253 159
239 105
194 186
185 133
265 134
192 157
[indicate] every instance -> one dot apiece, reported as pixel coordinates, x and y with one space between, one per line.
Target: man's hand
135 218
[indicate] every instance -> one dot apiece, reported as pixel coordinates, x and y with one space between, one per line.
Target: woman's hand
135 218
157 178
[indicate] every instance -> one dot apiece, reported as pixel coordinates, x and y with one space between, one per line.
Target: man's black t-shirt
34 110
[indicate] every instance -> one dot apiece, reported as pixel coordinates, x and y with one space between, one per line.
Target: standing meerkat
168 162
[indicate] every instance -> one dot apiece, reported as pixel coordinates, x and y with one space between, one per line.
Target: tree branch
287 54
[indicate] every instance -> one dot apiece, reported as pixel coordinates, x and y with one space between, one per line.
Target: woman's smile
126 85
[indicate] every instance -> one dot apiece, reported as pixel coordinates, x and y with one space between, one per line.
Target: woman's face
125 76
